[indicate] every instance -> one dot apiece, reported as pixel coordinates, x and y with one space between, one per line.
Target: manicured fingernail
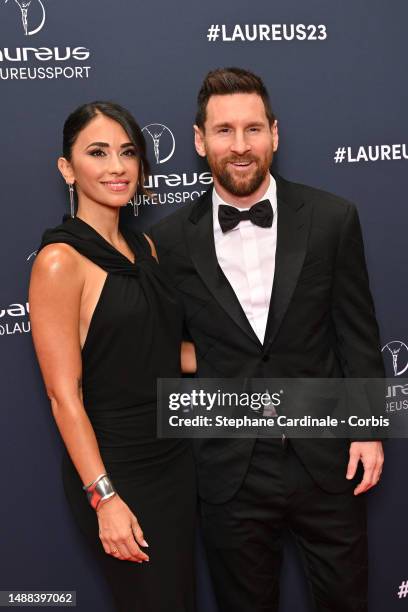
144 543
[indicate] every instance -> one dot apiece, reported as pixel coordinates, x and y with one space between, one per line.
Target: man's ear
199 141
66 170
275 135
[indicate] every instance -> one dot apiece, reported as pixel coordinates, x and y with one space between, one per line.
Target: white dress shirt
246 255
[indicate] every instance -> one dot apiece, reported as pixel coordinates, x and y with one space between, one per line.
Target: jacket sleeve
355 324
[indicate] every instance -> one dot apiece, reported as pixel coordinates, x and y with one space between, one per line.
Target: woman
105 326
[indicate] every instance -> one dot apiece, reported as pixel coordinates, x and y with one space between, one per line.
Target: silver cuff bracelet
100 490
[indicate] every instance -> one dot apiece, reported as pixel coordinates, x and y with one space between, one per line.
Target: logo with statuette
397 351
32 15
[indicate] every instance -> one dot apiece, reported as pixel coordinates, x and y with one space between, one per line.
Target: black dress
134 338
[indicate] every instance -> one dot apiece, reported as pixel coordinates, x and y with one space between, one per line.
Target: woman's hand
120 532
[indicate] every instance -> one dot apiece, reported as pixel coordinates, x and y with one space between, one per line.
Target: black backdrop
337 77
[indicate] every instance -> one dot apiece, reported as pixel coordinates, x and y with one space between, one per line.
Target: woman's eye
97 153
130 153
101 153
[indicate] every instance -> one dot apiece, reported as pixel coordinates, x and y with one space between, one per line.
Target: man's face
238 142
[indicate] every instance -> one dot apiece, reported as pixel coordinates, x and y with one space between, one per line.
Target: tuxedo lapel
200 237
292 233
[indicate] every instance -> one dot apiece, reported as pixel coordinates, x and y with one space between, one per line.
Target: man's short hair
225 81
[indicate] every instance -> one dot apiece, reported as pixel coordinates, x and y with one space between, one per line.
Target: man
280 291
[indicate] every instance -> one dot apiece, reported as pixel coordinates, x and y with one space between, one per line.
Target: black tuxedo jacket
321 319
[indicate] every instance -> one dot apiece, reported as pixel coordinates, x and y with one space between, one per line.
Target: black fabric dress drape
135 337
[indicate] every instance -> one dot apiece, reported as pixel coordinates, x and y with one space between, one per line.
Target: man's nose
240 144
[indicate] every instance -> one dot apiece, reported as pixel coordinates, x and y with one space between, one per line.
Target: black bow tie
260 214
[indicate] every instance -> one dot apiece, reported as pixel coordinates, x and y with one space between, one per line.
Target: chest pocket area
315 269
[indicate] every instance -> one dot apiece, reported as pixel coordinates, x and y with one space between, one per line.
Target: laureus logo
398 352
32 15
163 141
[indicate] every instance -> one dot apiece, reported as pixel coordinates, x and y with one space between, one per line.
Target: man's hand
372 458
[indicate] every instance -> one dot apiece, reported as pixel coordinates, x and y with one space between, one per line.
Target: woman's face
104 164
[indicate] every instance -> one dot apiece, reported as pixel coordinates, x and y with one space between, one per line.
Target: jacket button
265 358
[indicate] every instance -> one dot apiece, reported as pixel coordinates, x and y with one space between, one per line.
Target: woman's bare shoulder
56 259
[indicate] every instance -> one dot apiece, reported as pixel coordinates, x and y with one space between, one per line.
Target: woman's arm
56 286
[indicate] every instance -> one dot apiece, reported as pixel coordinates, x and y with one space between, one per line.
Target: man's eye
97 153
254 129
224 130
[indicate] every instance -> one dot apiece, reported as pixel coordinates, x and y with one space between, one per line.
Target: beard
249 182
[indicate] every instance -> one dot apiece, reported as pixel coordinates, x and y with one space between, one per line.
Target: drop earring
133 202
140 185
71 199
